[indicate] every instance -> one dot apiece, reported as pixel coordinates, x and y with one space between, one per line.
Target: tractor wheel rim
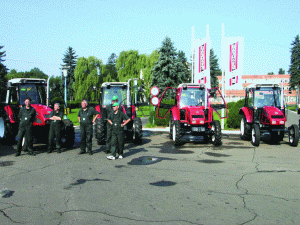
213 137
253 135
2 128
292 135
23 141
242 127
174 133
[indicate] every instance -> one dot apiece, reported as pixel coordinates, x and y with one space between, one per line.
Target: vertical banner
232 50
202 61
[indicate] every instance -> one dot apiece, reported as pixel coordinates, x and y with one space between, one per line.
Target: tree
127 65
86 76
294 70
281 71
70 60
168 71
214 69
111 67
270 73
3 72
55 85
33 73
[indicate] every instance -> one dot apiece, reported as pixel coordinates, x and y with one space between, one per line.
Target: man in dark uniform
55 127
85 117
27 117
116 121
108 136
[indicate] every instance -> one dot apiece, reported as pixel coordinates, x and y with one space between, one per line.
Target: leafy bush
230 105
158 121
234 118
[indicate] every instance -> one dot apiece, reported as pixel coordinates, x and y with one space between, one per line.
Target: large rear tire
255 138
100 131
177 133
216 136
6 134
171 126
294 135
245 129
137 131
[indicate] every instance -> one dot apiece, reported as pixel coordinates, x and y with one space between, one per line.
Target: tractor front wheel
294 135
137 130
255 139
100 131
216 136
245 129
176 132
171 127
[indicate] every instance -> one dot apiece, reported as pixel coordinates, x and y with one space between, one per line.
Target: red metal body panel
97 108
269 112
248 114
10 114
41 110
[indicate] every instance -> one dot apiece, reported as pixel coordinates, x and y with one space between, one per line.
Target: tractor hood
274 115
195 115
42 114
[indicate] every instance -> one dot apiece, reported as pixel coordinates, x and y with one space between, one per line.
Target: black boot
49 151
18 154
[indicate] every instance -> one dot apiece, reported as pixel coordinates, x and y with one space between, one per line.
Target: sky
37 33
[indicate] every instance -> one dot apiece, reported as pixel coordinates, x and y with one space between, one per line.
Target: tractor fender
9 113
248 114
133 112
97 108
175 113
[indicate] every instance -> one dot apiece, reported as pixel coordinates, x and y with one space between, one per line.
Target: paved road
156 183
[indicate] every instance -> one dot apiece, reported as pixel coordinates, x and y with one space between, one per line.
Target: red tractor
133 130
192 108
18 90
263 117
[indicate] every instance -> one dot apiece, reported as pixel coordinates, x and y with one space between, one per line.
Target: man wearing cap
85 117
116 120
108 136
55 127
27 117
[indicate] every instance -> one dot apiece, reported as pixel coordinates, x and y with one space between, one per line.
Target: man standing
85 117
108 125
27 117
55 127
116 119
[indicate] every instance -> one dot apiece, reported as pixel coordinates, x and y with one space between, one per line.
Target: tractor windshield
36 92
119 91
267 97
192 97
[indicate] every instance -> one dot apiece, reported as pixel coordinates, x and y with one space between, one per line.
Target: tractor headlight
281 122
273 122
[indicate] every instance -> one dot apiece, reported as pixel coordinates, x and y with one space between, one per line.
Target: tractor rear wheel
171 127
294 135
68 134
216 136
6 134
177 133
137 130
100 131
245 129
255 139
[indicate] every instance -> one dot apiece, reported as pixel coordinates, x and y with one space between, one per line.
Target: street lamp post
99 74
65 73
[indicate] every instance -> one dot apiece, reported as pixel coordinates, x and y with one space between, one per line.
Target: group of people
116 120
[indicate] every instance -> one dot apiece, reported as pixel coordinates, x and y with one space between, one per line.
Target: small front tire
294 135
255 138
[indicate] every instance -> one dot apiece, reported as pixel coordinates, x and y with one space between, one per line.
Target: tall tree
111 67
127 65
56 90
70 60
86 76
33 73
3 73
168 71
294 70
186 66
214 69
281 71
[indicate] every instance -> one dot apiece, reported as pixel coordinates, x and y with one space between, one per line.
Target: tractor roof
263 85
189 85
114 83
26 80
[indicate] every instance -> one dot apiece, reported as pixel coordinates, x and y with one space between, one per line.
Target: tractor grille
197 116
182 114
277 116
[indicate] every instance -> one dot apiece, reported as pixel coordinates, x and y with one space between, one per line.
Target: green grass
73 116
292 108
143 111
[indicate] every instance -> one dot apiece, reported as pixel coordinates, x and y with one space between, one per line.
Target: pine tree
281 71
295 63
70 60
110 68
169 70
214 70
3 73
